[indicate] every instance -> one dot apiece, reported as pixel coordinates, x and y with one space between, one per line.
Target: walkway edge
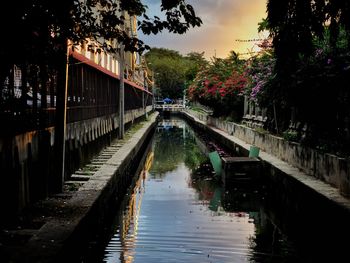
320 187
74 214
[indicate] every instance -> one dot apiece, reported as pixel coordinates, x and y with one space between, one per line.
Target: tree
173 70
37 29
195 62
311 40
294 24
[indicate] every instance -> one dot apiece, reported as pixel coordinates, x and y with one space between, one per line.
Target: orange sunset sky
224 22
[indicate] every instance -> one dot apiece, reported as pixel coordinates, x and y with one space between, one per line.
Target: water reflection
178 212
121 246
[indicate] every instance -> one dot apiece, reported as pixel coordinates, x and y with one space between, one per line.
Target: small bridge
169 107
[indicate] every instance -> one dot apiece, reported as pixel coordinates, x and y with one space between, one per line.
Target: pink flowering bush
261 71
219 85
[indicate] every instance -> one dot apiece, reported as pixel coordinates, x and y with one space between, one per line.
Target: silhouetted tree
294 24
35 29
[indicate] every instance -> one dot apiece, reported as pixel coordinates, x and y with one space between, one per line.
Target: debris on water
240 214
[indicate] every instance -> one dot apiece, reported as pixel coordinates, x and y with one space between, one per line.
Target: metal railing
28 95
170 107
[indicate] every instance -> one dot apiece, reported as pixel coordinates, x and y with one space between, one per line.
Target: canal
178 211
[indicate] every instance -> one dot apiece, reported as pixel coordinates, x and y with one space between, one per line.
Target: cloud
224 22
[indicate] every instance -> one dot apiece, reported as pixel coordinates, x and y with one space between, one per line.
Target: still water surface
178 211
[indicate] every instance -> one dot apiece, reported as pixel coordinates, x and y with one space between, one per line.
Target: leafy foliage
295 23
36 29
311 41
261 71
172 70
195 61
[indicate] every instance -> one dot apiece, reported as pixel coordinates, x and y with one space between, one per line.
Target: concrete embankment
311 212
304 187
64 221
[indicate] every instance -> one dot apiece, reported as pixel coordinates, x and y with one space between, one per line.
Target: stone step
92 166
99 163
84 172
101 158
72 182
79 177
105 155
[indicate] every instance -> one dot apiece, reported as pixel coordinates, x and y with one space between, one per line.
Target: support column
246 107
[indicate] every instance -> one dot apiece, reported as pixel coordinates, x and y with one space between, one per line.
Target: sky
225 24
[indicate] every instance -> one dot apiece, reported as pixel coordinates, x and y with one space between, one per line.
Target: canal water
178 211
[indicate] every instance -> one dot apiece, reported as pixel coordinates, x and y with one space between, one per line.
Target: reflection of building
170 123
121 247
149 161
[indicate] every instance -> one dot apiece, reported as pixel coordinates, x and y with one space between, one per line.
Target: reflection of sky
224 22
171 183
174 226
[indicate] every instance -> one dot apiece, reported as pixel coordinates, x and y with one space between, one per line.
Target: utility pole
144 103
121 92
145 87
61 124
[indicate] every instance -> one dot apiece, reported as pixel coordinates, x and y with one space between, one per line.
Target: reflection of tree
269 244
174 146
193 155
202 175
241 198
207 187
168 153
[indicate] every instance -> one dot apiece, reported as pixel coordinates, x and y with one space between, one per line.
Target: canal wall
329 168
71 219
27 160
287 176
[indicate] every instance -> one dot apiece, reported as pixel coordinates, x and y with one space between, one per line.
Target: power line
250 40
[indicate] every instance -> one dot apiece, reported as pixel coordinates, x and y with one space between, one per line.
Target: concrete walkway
59 219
